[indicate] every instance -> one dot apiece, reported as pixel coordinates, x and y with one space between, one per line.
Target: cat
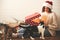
41 29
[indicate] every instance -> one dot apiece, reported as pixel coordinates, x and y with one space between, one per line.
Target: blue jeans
21 32
47 33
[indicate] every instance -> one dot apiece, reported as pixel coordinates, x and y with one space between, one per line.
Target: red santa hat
48 4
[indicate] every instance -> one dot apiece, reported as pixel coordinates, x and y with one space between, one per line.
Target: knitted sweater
51 22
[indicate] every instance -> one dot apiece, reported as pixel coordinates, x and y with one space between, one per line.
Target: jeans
47 33
21 32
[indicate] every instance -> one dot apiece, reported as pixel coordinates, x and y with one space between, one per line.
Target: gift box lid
35 15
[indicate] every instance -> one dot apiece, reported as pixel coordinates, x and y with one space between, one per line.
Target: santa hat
48 4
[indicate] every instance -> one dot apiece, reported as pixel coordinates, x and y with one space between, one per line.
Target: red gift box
28 19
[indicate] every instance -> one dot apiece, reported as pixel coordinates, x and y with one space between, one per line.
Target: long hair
43 10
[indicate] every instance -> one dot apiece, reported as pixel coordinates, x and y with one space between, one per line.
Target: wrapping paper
30 19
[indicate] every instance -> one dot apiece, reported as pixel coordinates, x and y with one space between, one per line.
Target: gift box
31 19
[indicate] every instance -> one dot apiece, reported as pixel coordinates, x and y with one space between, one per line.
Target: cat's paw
0 32
42 38
32 38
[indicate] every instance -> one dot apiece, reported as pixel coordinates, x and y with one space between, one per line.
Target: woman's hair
43 10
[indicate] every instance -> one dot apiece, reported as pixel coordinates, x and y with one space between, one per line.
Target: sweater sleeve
53 25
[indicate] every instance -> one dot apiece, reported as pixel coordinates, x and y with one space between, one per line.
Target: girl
49 22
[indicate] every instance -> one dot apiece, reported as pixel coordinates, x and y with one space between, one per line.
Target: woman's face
46 9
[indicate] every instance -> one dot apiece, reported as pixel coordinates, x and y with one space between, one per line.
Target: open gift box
33 19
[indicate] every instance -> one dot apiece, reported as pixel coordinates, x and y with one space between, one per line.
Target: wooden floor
46 38
37 38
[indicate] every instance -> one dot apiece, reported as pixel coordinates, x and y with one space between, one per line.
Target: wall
21 8
56 9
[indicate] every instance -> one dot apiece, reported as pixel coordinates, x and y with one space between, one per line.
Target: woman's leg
47 33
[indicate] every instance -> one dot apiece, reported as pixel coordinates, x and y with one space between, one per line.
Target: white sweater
52 24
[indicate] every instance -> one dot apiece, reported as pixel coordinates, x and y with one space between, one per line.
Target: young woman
50 21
